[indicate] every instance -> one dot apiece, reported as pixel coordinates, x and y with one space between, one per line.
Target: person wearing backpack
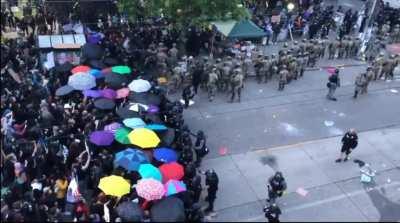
276 187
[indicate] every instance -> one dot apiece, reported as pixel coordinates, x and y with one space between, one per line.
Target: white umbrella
137 106
139 86
82 81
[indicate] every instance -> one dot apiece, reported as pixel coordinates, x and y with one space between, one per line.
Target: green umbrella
121 69
121 135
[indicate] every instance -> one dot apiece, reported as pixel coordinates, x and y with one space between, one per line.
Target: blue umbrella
134 123
156 127
96 73
82 81
130 159
165 155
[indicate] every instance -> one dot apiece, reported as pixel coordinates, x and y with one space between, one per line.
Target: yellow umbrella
144 138
114 186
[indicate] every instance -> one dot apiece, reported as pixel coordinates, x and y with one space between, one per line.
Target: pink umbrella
150 189
108 93
330 70
122 93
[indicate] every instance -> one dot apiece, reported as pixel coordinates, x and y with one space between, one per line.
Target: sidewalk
334 191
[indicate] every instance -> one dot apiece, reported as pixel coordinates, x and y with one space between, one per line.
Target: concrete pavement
333 190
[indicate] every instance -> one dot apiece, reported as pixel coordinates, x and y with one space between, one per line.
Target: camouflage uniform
282 78
266 69
212 83
236 83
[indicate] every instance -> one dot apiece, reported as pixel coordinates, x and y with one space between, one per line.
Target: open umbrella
96 73
104 104
108 93
137 107
139 86
124 112
169 209
92 51
112 127
115 80
97 64
147 170
130 212
165 155
122 93
121 69
64 90
121 135
134 123
101 138
82 81
144 138
150 189
171 171
63 68
92 93
145 98
80 68
173 187
156 127
131 159
114 186
111 61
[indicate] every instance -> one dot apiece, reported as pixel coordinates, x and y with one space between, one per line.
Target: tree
184 12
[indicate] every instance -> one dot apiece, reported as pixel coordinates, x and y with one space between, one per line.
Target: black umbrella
64 90
66 67
169 209
92 51
124 112
115 80
130 212
167 137
104 104
111 61
145 98
97 64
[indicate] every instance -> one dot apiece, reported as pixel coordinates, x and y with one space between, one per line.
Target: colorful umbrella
147 170
79 69
101 138
112 127
144 138
165 155
130 159
122 93
134 123
92 93
121 135
108 93
150 189
114 186
156 127
121 69
173 187
64 90
139 86
96 73
104 104
82 81
171 171
330 70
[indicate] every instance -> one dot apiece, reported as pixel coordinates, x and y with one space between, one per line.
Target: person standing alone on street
349 143
333 83
212 188
272 212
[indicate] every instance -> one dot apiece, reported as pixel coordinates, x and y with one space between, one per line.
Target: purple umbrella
102 138
108 93
94 38
92 93
112 127
153 109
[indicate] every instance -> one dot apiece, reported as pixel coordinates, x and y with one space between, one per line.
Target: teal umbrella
147 171
156 127
121 70
134 123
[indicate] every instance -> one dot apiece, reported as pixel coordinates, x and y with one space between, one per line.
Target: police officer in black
200 147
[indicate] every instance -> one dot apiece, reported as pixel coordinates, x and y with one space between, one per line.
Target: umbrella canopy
92 51
97 64
101 138
145 98
330 70
122 93
165 155
130 212
63 68
147 171
121 69
104 104
169 209
124 112
134 123
82 81
92 93
131 159
144 138
112 127
171 171
80 68
115 80
137 107
114 186
156 127
64 90
173 187
150 189
110 61
240 30
139 86
108 93
96 73
121 135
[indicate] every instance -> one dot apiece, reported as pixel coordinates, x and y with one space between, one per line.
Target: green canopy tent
239 29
